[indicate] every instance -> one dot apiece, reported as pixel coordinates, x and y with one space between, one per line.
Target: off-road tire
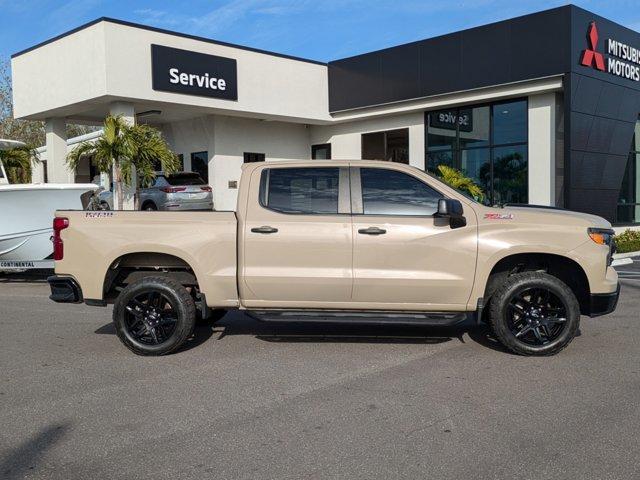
184 308
503 295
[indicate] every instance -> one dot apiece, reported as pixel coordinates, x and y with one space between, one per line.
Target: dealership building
539 109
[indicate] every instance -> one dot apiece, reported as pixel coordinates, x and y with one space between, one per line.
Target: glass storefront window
487 143
628 210
509 122
476 164
510 174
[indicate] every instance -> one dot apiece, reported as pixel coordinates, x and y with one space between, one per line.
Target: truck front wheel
534 313
154 316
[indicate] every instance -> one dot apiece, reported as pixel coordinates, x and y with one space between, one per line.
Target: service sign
192 73
448 119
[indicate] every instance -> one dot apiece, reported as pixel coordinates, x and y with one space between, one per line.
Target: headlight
602 236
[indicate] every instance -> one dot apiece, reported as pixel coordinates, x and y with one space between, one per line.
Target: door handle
264 229
372 231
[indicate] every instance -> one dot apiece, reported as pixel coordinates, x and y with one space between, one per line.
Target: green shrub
628 241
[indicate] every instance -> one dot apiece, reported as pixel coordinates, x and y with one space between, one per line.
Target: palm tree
18 163
456 179
123 147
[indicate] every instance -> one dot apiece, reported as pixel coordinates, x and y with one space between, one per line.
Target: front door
296 244
404 257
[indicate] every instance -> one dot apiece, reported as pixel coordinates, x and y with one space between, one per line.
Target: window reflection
301 190
385 192
486 143
629 198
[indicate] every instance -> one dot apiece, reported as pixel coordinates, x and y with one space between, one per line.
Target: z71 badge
498 216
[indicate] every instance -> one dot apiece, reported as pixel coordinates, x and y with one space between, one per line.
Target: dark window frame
206 163
456 150
386 144
320 146
253 157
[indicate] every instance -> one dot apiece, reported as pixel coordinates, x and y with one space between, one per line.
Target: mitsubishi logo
589 56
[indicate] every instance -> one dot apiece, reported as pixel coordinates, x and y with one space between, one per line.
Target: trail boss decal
99 214
498 216
193 73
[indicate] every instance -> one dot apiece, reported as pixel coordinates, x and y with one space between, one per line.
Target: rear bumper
64 290
603 303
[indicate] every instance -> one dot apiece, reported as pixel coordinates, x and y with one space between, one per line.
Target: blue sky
317 29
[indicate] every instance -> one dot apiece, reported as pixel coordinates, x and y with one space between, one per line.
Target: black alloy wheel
154 315
537 316
534 313
150 318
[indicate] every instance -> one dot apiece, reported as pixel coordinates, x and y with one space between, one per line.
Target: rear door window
300 190
389 192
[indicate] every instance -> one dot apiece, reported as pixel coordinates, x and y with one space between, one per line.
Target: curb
626 255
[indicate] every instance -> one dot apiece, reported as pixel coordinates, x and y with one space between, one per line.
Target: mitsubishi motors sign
621 59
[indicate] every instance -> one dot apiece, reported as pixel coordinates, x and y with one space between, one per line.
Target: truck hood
543 215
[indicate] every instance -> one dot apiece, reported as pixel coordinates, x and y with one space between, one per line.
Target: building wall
346 138
59 74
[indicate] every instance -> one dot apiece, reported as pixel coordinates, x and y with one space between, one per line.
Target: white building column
127 112
542 149
56 142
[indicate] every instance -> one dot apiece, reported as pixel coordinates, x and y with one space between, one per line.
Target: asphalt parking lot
252 400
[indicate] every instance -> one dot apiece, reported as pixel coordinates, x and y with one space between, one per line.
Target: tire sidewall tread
501 297
185 308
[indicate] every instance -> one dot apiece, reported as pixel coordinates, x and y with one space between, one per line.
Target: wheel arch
131 266
560 266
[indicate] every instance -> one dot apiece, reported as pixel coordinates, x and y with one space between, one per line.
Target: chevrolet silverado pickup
340 241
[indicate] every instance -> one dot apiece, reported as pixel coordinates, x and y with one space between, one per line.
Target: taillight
206 189
173 189
59 224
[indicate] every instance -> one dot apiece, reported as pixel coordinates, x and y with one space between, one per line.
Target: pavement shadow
30 276
201 334
19 461
338 333
302 332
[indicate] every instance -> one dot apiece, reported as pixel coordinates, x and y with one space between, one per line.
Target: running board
351 317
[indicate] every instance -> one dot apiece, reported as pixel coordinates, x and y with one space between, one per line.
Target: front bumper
64 290
603 303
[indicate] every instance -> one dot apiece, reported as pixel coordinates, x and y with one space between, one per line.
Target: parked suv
178 191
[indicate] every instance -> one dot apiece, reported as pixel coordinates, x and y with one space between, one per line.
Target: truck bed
96 241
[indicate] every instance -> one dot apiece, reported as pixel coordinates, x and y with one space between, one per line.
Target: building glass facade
487 143
629 200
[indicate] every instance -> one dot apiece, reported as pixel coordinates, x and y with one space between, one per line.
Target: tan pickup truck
340 241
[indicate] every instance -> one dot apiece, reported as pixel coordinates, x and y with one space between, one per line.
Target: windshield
184 179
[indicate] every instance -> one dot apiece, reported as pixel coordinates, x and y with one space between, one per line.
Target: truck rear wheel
154 316
533 313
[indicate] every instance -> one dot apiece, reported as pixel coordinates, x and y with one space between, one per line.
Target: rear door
296 242
404 257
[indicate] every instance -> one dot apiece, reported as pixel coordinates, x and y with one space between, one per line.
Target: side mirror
451 209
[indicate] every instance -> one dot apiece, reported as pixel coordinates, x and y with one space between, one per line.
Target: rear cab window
301 190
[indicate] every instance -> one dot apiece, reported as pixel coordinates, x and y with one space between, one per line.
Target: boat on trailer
26 218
